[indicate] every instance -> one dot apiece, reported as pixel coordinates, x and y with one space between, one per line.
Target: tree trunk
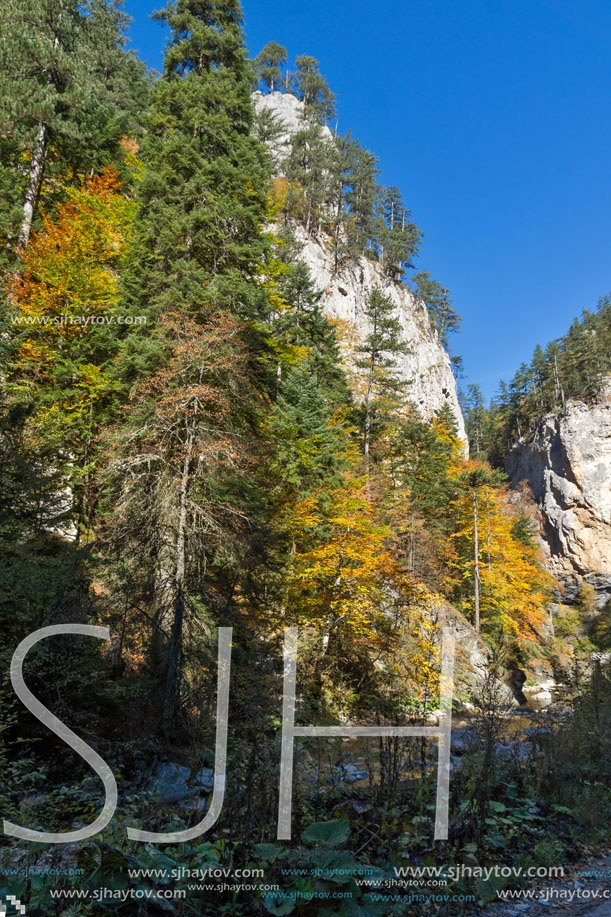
309 216
36 166
368 414
172 690
34 177
336 234
559 389
163 592
476 555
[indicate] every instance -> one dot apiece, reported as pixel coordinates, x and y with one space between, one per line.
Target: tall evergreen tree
306 169
398 236
438 302
268 63
476 421
378 358
195 269
361 194
313 90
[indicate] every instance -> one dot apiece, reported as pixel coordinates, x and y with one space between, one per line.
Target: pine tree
379 352
337 181
312 88
574 366
398 238
422 458
302 326
361 195
306 170
309 447
199 244
268 63
476 421
438 302
174 478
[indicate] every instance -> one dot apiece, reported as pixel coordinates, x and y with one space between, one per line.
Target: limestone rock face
288 111
426 366
567 464
472 662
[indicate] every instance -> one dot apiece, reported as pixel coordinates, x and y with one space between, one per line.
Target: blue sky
494 119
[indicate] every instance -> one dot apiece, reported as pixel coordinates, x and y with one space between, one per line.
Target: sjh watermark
66 319
442 733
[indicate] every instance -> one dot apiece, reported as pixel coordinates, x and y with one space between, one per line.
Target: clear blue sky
494 119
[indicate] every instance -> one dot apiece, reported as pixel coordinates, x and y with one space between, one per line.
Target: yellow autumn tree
65 298
66 324
498 576
342 577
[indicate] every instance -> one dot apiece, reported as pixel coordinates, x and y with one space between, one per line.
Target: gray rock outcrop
472 679
426 366
567 465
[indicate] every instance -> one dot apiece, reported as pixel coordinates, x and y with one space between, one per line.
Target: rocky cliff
426 366
567 465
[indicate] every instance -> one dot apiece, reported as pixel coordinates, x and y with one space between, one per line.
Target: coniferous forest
190 443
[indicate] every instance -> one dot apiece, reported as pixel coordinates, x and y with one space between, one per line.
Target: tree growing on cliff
398 237
312 88
306 171
361 194
268 64
438 302
378 358
575 365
